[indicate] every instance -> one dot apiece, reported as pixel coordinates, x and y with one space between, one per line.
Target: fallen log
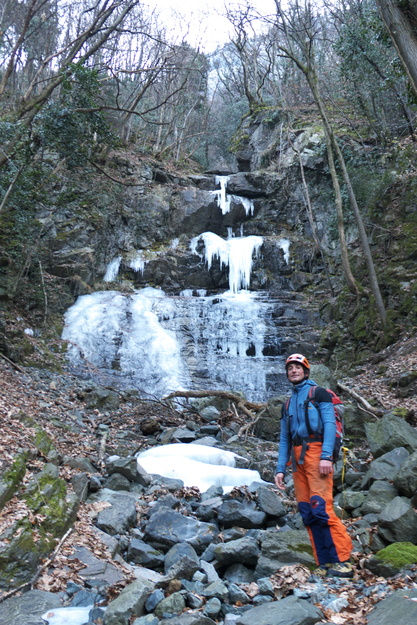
225 394
12 364
359 399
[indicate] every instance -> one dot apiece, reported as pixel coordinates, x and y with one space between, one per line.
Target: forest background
80 78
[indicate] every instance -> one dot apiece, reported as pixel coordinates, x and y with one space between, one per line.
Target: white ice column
236 253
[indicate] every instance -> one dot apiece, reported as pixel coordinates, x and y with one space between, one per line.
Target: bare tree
400 19
298 29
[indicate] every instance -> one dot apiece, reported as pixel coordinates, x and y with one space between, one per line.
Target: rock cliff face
159 214
204 234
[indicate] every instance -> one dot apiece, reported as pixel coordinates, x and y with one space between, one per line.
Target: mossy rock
392 559
12 477
51 511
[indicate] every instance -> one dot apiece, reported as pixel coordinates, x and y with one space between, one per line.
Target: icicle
112 270
247 203
138 263
285 246
236 253
223 200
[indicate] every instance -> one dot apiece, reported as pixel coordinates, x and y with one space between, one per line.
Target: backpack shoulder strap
285 413
310 397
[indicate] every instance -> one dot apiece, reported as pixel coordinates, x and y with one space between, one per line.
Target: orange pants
314 492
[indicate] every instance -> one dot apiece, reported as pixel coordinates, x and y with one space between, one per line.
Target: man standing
311 453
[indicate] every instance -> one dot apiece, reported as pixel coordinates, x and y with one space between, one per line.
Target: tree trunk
334 146
403 35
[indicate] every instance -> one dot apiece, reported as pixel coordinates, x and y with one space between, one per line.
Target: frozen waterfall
236 253
158 343
225 200
127 337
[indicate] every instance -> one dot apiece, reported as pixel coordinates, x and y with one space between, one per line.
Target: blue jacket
322 421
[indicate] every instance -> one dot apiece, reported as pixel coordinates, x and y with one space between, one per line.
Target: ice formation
211 467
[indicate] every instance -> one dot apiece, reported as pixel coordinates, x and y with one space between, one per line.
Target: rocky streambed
145 549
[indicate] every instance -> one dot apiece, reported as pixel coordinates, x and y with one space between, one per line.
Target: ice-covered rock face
160 344
197 465
127 338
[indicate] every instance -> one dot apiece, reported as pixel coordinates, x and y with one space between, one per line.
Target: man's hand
279 481
325 467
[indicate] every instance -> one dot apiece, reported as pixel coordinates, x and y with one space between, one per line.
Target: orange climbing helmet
300 359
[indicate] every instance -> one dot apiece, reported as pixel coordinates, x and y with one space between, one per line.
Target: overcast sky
207 27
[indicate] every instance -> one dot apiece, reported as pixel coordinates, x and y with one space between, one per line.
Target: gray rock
102 398
216 589
80 483
279 548
111 542
148 619
210 413
189 618
194 601
260 599
267 427
237 594
79 462
405 480
244 550
323 376
96 572
239 513
154 598
385 467
381 568
379 495
169 501
397 608
28 608
239 574
265 587
184 568
141 552
128 467
184 435
350 500
120 516
389 433
220 403
207 510
398 521
177 552
270 502
244 184
210 571
168 527
174 604
288 611
128 604
213 607
117 482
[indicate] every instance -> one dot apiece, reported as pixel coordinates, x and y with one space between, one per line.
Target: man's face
295 373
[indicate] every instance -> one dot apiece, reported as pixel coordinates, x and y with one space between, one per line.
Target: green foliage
74 124
372 72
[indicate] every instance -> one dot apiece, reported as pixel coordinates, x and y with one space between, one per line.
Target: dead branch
39 571
245 406
359 398
13 364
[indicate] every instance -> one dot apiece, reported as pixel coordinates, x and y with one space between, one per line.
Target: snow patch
197 465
